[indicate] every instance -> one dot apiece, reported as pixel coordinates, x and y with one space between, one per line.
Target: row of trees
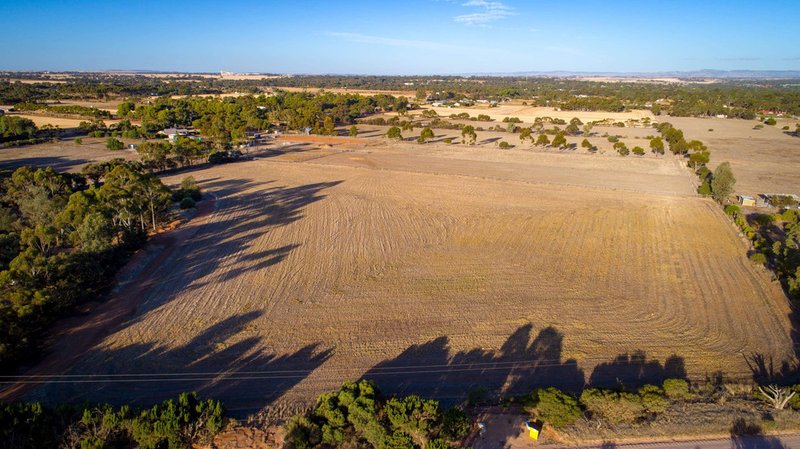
63 236
358 416
178 423
82 111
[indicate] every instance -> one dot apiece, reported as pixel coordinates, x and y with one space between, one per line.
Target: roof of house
175 131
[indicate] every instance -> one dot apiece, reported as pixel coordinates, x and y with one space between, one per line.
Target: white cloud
379 40
489 11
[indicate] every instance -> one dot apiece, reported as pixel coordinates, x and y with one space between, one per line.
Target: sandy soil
64 155
423 267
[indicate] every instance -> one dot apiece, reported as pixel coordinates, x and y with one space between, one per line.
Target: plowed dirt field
434 271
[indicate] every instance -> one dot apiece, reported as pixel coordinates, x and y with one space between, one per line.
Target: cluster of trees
777 250
102 86
81 111
63 236
163 155
226 121
174 424
358 416
16 128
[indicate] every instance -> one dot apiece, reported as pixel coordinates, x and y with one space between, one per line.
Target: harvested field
763 160
61 122
321 140
529 113
334 90
426 270
64 155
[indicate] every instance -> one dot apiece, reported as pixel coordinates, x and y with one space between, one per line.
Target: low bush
758 258
653 399
555 407
732 210
615 407
455 424
114 144
676 389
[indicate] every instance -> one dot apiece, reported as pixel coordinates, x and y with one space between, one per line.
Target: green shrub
704 189
555 407
505 145
676 389
78 141
448 140
770 121
732 209
612 406
758 258
653 399
301 433
187 203
789 215
438 444
114 144
455 424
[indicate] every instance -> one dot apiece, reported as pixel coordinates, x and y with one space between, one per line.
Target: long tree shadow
518 366
59 163
243 374
230 245
634 370
225 247
766 372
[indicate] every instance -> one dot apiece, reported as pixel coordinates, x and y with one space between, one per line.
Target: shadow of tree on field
518 366
765 372
59 163
240 372
634 370
221 249
217 251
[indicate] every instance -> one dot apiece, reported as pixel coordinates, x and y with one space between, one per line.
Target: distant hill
692 74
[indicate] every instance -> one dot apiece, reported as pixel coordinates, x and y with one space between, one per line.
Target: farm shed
746 200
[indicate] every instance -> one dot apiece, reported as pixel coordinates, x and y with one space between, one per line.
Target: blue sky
409 37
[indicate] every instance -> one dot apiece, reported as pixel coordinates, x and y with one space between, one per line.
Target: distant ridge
690 74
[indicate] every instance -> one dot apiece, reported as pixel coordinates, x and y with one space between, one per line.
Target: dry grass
61 122
313 271
763 160
64 155
528 113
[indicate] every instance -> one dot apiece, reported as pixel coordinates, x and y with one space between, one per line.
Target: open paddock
422 267
763 160
63 155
